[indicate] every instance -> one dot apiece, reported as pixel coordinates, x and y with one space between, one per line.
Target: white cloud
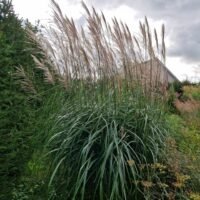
182 70
32 9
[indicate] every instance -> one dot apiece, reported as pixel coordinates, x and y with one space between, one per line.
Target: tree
16 111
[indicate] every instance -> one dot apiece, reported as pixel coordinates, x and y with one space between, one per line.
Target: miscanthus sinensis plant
98 143
112 120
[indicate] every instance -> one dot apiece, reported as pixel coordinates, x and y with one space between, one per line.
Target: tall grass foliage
97 147
112 120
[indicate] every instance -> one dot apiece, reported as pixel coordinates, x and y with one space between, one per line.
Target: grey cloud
186 42
182 19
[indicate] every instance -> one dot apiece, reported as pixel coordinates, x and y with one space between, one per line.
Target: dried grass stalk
101 51
24 80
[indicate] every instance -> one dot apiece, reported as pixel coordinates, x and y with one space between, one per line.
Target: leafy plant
28 190
17 104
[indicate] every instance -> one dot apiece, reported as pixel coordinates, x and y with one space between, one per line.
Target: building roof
162 64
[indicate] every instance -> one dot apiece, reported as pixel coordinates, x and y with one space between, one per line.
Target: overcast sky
181 18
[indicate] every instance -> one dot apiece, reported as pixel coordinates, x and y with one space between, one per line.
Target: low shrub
192 91
177 86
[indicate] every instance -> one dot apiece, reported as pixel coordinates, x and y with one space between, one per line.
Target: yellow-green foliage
186 131
192 92
195 196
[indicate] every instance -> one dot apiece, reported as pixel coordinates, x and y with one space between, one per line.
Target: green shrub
31 183
16 112
29 189
196 96
178 87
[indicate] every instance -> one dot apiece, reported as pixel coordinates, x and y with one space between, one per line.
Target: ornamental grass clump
112 121
96 147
